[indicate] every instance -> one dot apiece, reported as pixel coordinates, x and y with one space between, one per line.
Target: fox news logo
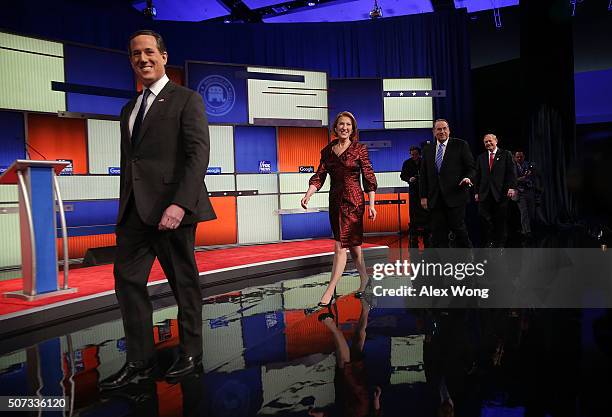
114 171
265 167
306 169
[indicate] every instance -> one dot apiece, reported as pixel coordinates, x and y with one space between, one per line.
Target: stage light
376 12
227 20
312 3
497 18
150 11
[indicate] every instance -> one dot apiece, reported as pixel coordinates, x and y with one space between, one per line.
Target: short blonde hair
354 133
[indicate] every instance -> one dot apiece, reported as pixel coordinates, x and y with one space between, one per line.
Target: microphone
28 146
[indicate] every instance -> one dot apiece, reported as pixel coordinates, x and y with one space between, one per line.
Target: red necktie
491 156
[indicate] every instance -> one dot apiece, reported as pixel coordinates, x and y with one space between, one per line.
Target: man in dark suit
495 184
446 175
419 217
164 155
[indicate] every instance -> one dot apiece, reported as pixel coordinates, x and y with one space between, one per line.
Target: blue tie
140 115
439 156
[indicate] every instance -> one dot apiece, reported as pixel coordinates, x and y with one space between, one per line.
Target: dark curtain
429 45
547 85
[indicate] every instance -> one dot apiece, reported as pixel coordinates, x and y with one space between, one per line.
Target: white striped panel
84 187
285 387
222 335
14 358
416 112
37 46
389 179
264 183
10 244
9 193
292 201
220 183
407 352
266 299
104 145
222 148
26 75
298 183
306 292
257 219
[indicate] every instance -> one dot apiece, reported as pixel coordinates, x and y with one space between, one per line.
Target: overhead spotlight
376 12
497 18
150 11
227 20
312 3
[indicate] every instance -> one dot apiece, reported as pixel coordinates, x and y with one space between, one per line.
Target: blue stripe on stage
306 225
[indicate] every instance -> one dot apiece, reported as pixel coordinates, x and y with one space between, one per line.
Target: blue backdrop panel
94 67
307 225
253 144
593 92
233 394
51 372
43 212
12 138
264 338
224 93
14 380
90 217
391 159
377 352
362 97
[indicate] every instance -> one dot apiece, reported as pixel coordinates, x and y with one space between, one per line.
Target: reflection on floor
268 352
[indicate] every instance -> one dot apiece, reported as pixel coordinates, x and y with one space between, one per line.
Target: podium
38 194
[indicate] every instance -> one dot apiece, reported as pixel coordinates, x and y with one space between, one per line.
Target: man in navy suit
495 185
446 175
165 150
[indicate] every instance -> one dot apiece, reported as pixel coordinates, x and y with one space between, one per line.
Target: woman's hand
305 201
371 212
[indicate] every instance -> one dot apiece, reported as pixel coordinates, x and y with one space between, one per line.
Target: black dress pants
445 219
138 244
493 215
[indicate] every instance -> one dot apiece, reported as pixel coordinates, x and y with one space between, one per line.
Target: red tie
491 156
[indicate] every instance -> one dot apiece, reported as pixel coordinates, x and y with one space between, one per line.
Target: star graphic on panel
402 94
426 93
388 94
414 93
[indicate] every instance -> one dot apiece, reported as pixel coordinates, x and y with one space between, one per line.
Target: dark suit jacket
458 163
499 179
169 162
410 168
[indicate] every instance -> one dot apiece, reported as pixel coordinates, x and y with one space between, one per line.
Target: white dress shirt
155 88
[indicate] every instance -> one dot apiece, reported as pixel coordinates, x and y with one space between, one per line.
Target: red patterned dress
346 201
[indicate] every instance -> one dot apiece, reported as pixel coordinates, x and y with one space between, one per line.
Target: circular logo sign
219 95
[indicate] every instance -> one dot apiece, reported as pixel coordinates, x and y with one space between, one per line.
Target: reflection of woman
345 160
351 382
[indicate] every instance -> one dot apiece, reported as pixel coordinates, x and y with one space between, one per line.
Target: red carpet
99 279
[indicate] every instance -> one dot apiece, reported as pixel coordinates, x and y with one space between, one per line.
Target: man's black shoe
128 373
184 365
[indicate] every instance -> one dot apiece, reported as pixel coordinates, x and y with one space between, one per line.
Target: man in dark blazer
419 217
494 185
446 175
165 150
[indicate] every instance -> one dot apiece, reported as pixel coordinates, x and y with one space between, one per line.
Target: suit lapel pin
161 99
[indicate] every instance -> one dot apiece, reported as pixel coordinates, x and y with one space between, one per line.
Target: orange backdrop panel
223 230
300 146
78 245
387 215
58 138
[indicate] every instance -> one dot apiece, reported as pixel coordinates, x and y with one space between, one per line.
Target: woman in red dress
345 160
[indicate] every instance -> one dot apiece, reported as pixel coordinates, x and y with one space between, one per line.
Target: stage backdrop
432 45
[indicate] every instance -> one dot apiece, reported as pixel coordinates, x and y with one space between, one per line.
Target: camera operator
526 197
